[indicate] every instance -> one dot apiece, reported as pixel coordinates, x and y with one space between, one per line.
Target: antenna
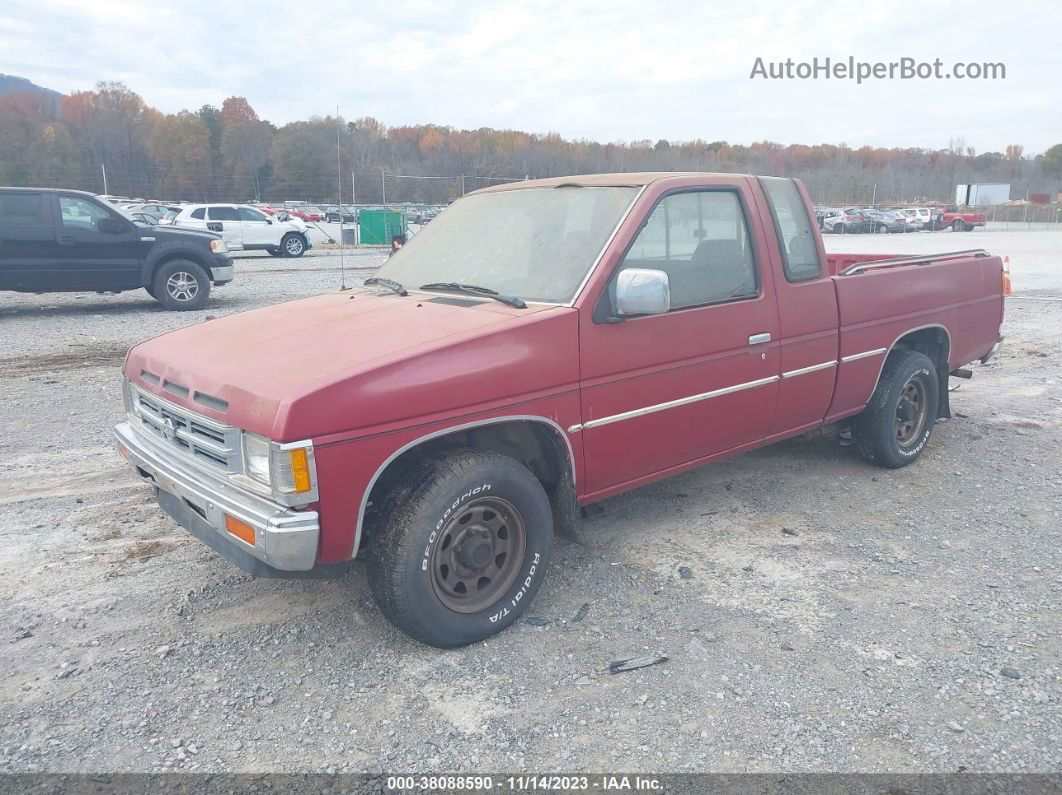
339 188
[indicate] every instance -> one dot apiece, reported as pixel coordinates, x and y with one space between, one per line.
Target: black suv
69 241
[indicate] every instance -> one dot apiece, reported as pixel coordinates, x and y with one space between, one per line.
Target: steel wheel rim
911 411
477 554
182 286
294 245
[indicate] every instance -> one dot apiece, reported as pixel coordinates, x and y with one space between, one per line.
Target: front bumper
221 274
284 539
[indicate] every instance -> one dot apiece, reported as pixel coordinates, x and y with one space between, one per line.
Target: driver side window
700 240
80 213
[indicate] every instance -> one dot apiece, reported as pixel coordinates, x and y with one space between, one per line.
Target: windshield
537 244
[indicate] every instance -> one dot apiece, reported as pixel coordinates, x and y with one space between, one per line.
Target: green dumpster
380 227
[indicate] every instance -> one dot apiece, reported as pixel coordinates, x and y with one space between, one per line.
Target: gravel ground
818 614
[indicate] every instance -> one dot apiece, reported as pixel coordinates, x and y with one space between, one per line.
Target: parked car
887 221
849 221
246 228
507 386
157 210
310 213
335 214
143 219
923 216
69 241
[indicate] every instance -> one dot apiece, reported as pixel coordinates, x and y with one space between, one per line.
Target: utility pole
383 187
103 168
339 188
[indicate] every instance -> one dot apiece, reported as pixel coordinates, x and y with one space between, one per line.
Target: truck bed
880 299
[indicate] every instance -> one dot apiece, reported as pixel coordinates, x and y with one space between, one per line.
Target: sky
608 71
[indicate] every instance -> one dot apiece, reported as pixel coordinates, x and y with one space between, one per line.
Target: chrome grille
211 443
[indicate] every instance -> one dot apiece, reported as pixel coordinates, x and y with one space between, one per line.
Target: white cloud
615 70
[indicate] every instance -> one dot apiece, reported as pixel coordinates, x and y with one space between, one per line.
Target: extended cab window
700 240
80 212
223 214
22 209
800 256
199 213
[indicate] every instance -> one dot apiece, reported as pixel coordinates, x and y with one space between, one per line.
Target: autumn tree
180 147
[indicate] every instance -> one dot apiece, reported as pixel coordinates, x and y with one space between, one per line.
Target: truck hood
358 360
166 232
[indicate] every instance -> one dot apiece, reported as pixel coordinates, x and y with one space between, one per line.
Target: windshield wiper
458 287
391 284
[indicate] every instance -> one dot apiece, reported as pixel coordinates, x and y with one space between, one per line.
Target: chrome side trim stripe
864 355
812 369
671 404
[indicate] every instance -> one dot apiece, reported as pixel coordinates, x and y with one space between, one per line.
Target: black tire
422 525
895 427
881 229
181 285
838 229
293 245
958 225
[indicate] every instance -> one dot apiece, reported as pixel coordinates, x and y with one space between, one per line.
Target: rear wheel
461 547
958 225
896 425
181 285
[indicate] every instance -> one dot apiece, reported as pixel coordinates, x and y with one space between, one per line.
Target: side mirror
641 291
111 226
269 221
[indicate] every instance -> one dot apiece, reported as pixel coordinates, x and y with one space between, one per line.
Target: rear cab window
23 209
796 241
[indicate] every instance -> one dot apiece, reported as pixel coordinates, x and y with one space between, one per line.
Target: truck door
807 309
27 241
663 391
226 221
98 249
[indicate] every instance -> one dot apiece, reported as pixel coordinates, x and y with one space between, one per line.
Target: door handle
759 339
65 240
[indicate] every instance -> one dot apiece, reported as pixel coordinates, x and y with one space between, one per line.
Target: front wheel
894 428
181 285
461 547
293 245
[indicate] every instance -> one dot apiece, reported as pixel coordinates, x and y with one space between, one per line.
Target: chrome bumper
221 274
283 538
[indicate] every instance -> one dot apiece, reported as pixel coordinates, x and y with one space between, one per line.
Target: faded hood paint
359 361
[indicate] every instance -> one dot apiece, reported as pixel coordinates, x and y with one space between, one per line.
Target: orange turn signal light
241 530
300 470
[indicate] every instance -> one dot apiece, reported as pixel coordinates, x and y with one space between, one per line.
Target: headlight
219 246
256 451
287 469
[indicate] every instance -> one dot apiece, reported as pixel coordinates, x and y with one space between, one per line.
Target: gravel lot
819 614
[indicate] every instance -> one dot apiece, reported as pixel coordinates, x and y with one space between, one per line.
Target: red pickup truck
541 346
956 220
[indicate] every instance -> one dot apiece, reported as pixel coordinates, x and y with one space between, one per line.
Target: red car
448 417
